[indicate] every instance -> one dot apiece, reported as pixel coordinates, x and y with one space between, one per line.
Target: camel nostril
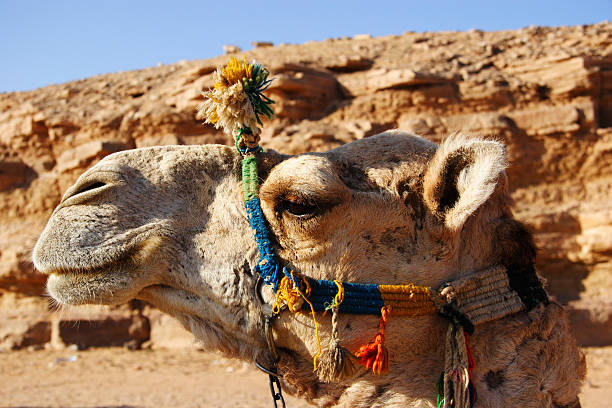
88 187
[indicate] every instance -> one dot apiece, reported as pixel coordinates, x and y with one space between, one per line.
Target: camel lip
48 265
136 245
77 266
67 271
82 271
79 288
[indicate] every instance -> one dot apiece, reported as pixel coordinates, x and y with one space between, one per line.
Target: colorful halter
236 104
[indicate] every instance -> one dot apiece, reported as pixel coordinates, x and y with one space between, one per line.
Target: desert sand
116 377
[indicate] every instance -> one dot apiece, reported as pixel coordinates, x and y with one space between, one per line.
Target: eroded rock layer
546 92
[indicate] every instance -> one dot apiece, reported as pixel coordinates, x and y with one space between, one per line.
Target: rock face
546 92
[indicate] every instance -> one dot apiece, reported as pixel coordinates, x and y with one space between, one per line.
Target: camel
167 225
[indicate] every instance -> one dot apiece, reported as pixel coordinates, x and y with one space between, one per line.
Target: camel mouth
113 282
64 271
102 286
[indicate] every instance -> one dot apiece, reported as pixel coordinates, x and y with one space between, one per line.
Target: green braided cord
440 389
249 178
245 178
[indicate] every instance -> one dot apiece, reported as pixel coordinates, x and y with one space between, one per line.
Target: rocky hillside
547 92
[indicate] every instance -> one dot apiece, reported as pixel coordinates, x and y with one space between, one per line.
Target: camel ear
461 177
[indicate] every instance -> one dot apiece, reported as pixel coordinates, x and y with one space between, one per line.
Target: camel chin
106 288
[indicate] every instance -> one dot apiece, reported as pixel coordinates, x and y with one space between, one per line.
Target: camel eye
298 209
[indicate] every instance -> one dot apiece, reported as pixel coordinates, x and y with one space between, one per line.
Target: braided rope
267 267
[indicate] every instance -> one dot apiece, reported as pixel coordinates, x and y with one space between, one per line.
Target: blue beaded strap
268 266
359 298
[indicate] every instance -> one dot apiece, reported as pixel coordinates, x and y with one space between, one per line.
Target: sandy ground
117 378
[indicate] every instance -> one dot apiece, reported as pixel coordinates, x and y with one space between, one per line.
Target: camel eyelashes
298 209
305 207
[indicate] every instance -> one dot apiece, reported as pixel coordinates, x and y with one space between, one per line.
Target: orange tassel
374 355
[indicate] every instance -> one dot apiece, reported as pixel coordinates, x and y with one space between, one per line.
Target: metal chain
273 376
276 391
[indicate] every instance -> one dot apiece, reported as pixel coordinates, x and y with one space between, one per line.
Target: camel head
168 225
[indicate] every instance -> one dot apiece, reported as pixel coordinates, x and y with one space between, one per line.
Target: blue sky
46 42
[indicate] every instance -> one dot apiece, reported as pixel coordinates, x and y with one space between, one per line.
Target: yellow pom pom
236 102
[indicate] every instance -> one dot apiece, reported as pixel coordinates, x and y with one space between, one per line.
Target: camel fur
167 225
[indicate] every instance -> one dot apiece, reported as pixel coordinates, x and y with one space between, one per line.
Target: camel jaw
173 300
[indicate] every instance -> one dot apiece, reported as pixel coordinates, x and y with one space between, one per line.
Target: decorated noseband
237 104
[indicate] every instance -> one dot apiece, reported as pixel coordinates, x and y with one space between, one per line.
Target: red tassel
374 355
471 365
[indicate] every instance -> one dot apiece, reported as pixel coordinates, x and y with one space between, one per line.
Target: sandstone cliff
547 92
